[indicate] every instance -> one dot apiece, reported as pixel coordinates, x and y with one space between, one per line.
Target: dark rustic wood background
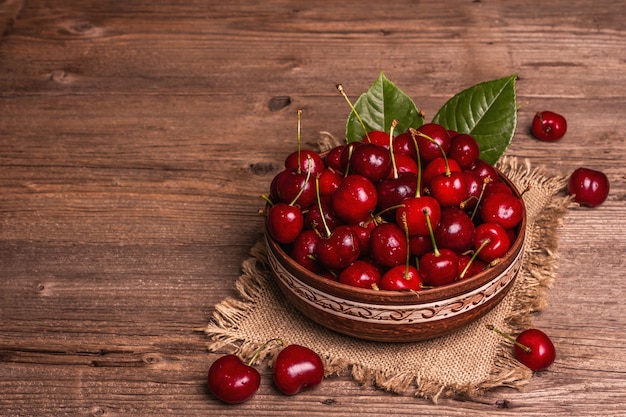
136 136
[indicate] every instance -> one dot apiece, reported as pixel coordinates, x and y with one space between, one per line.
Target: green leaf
379 106
487 111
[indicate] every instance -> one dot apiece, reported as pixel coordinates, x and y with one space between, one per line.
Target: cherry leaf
487 111
383 103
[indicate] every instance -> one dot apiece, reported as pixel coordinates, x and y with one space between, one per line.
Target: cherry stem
299 128
306 180
431 232
394 123
356 113
474 255
525 348
267 200
263 346
418 189
486 181
319 206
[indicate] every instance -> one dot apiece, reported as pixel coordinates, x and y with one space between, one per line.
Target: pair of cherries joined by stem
296 369
394 212
587 186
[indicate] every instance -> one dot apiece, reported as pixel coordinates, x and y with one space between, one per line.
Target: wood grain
135 138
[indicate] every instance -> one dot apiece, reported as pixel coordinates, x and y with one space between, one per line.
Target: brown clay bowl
393 316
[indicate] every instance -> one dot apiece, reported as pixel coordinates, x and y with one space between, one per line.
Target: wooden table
135 138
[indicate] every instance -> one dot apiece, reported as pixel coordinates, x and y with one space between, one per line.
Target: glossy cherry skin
456 230
438 166
304 249
284 222
589 187
403 145
288 186
304 161
414 211
338 250
355 199
505 209
297 368
329 181
449 190
361 274
333 158
392 191
388 245
542 352
498 242
371 161
232 381
429 150
439 269
401 278
485 171
377 137
464 150
548 126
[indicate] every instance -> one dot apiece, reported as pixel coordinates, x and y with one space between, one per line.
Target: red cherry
377 137
296 188
404 164
303 250
505 209
304 160
388 245
401 278
438 166
361 273
297 368
403 145
537 351
355 199
456 230
449 189
548 126
392 191
589 187
439 267
371 161
428 149
420 245
284 222
232 381
485 171
333 158
414 211
491 241
338 250
464 150
329 181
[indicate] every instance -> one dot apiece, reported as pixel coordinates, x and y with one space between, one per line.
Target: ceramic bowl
393 316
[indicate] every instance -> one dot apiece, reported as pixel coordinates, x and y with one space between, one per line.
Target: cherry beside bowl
394 316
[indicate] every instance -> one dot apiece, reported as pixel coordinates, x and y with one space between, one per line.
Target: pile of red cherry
362 213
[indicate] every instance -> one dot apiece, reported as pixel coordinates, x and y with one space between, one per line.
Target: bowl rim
367 295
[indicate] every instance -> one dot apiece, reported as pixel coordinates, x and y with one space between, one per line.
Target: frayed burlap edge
539 270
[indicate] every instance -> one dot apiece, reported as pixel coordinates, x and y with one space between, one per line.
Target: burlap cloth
465 364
